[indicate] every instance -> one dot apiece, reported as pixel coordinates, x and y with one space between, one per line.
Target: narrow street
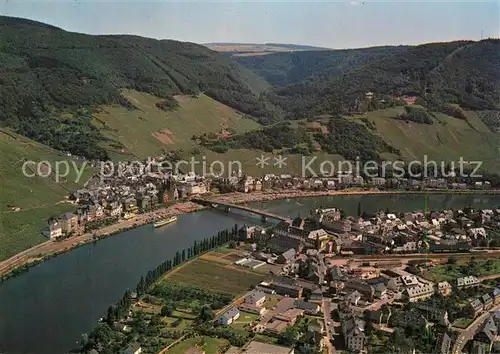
328 320
468 333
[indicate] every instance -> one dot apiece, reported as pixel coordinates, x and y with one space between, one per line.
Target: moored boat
165 221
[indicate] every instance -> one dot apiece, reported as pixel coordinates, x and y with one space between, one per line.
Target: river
48 308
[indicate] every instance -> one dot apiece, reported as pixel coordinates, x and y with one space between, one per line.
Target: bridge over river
265 215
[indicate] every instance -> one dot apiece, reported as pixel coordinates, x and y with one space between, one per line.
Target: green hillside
37 198
46 72
462 72
447 139
146 130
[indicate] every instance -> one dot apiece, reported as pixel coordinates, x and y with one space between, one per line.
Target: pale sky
333 24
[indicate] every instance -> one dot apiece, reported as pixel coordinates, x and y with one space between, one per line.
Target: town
421 281
123 193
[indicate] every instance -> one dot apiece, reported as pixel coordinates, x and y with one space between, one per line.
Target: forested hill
46 73
462 72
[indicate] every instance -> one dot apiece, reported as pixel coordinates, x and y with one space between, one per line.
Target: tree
183 256
359 209
167 309
306 293
206 314
289 337
451 260
111 317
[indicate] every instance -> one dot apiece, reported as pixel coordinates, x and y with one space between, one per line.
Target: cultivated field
147 130
447 139
37 198
209 345
215 275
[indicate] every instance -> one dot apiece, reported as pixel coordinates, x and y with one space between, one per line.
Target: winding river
48 308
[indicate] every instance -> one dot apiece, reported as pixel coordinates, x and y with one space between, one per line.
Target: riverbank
241 198
39 253
44 251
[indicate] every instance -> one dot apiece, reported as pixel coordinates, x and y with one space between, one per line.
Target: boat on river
165 221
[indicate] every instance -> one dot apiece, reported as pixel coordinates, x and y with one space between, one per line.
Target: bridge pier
263 218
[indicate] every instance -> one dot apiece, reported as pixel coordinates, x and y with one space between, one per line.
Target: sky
332 24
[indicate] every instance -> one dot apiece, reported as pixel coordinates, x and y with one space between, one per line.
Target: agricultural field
37 198
216 276
447 139
146 130
207 344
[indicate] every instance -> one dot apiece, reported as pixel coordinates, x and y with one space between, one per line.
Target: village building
255 298
55 229
467 282
229 316
419 292
309 307
133 348
474 308
69 222
444 288
443 344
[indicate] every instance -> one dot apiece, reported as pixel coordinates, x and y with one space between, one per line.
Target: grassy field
216 277
462 323
209 345
447 139
450 272
147 130
37 198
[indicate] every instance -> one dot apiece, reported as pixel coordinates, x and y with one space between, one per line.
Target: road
469 332
325 307
51 247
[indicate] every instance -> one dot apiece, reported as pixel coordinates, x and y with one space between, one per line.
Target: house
313 337
409 319
255 298
443 344
193 188
380 290
287 256
69 222
419 292
467 282
362 287
316 325
282 286
316 295
289 316
496 296
474 308
353 298
483 339
133 348
444 288
435 314
55 229
487 301
353 331
380 316
309 307
130 205
252 309
114 209
229 316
